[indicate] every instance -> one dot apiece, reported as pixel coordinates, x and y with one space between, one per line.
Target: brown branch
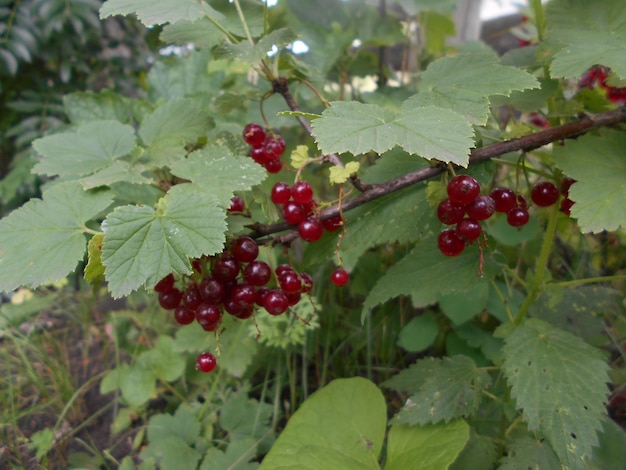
522 144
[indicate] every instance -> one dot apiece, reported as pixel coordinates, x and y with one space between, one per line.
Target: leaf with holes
559 383
447 388
45 239
142 245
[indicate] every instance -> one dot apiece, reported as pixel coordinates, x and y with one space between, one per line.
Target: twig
522 144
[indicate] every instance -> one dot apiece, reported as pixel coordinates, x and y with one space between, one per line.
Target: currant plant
254 188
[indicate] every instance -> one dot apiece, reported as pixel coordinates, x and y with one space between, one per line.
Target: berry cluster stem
537 281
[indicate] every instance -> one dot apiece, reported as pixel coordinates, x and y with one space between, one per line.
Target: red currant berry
293 298
504 199
245 249
482 208
171 299
302 192
544 194
340 277
273 166
450 244
284 268
208 315
243 295
468 229
293 212
281 193
290 282
184 315
566 206
539 120
236 204
226 269
463 189
258 155
566 184
274 147
517 217
333 223
165 284
261 293
257 273
310 229
191 296
450 213
307 282
245 312
206 362
254 134
232 307
276 302
211 290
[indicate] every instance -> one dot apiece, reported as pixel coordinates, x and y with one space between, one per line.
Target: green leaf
42 442
84 107
164 362
447 388
461 307
201 33
525 452
182 424
434 447
117 172
236 456
94 271
480 453
598 165
340 175
94 146
340 426
44 240
430 132
173 452
589 33
219 173
243 417
611 447
559 383
151 12
184 119
419 333
252 54
180 77
463 83
137 383
427 275
142 245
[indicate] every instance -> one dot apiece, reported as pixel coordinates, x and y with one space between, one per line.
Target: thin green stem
540 18
504 302
590 280
244 23
541 266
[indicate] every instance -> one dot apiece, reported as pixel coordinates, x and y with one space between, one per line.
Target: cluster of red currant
465 207
597 76
266 149
566 202
234 282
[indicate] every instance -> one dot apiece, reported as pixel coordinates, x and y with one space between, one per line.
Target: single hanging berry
449 242
544 194
206 362
517 217
340 277
463 189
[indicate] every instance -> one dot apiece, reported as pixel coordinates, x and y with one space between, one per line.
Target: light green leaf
142 245
216 171
427 275
44 240
200 32
164 362
137 383
94 146
182 424
252 54
184 119
525 452
173 452
435 447
559 383
599 166
243 417
179 77
42 442
236 456
447 388
464 82
427 131
341 426
117 172
589 33
419 333
299 156
151 12
84 107
340 175
94 271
